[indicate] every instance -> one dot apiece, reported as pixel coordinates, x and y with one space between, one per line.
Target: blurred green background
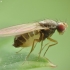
14 12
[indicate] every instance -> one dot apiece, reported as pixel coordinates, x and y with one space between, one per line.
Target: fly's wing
20 29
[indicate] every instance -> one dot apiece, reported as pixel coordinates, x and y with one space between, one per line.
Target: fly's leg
45 46
19 50
41 44
41 48
52 40
33 46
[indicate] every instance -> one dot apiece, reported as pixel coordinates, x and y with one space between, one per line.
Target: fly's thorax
48 23
26 39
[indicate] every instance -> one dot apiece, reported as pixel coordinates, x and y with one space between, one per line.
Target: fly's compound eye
61 27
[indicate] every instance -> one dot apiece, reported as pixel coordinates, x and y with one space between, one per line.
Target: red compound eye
61 27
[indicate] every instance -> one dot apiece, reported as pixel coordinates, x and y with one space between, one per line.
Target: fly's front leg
52 40
33 46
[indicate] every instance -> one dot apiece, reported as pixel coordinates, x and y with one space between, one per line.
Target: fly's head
61 27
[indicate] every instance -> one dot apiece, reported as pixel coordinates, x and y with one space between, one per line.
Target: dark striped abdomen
26 39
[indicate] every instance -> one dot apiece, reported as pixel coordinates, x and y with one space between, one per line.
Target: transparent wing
20 29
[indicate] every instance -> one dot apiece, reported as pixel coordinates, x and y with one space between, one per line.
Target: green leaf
9 60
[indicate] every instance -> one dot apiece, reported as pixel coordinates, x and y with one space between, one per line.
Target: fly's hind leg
52 40
33 46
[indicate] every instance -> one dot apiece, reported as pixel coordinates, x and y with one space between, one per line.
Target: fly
30 34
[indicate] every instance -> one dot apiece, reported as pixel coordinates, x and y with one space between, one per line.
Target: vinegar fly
29 34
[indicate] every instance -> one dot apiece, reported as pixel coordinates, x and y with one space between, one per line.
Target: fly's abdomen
26 39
